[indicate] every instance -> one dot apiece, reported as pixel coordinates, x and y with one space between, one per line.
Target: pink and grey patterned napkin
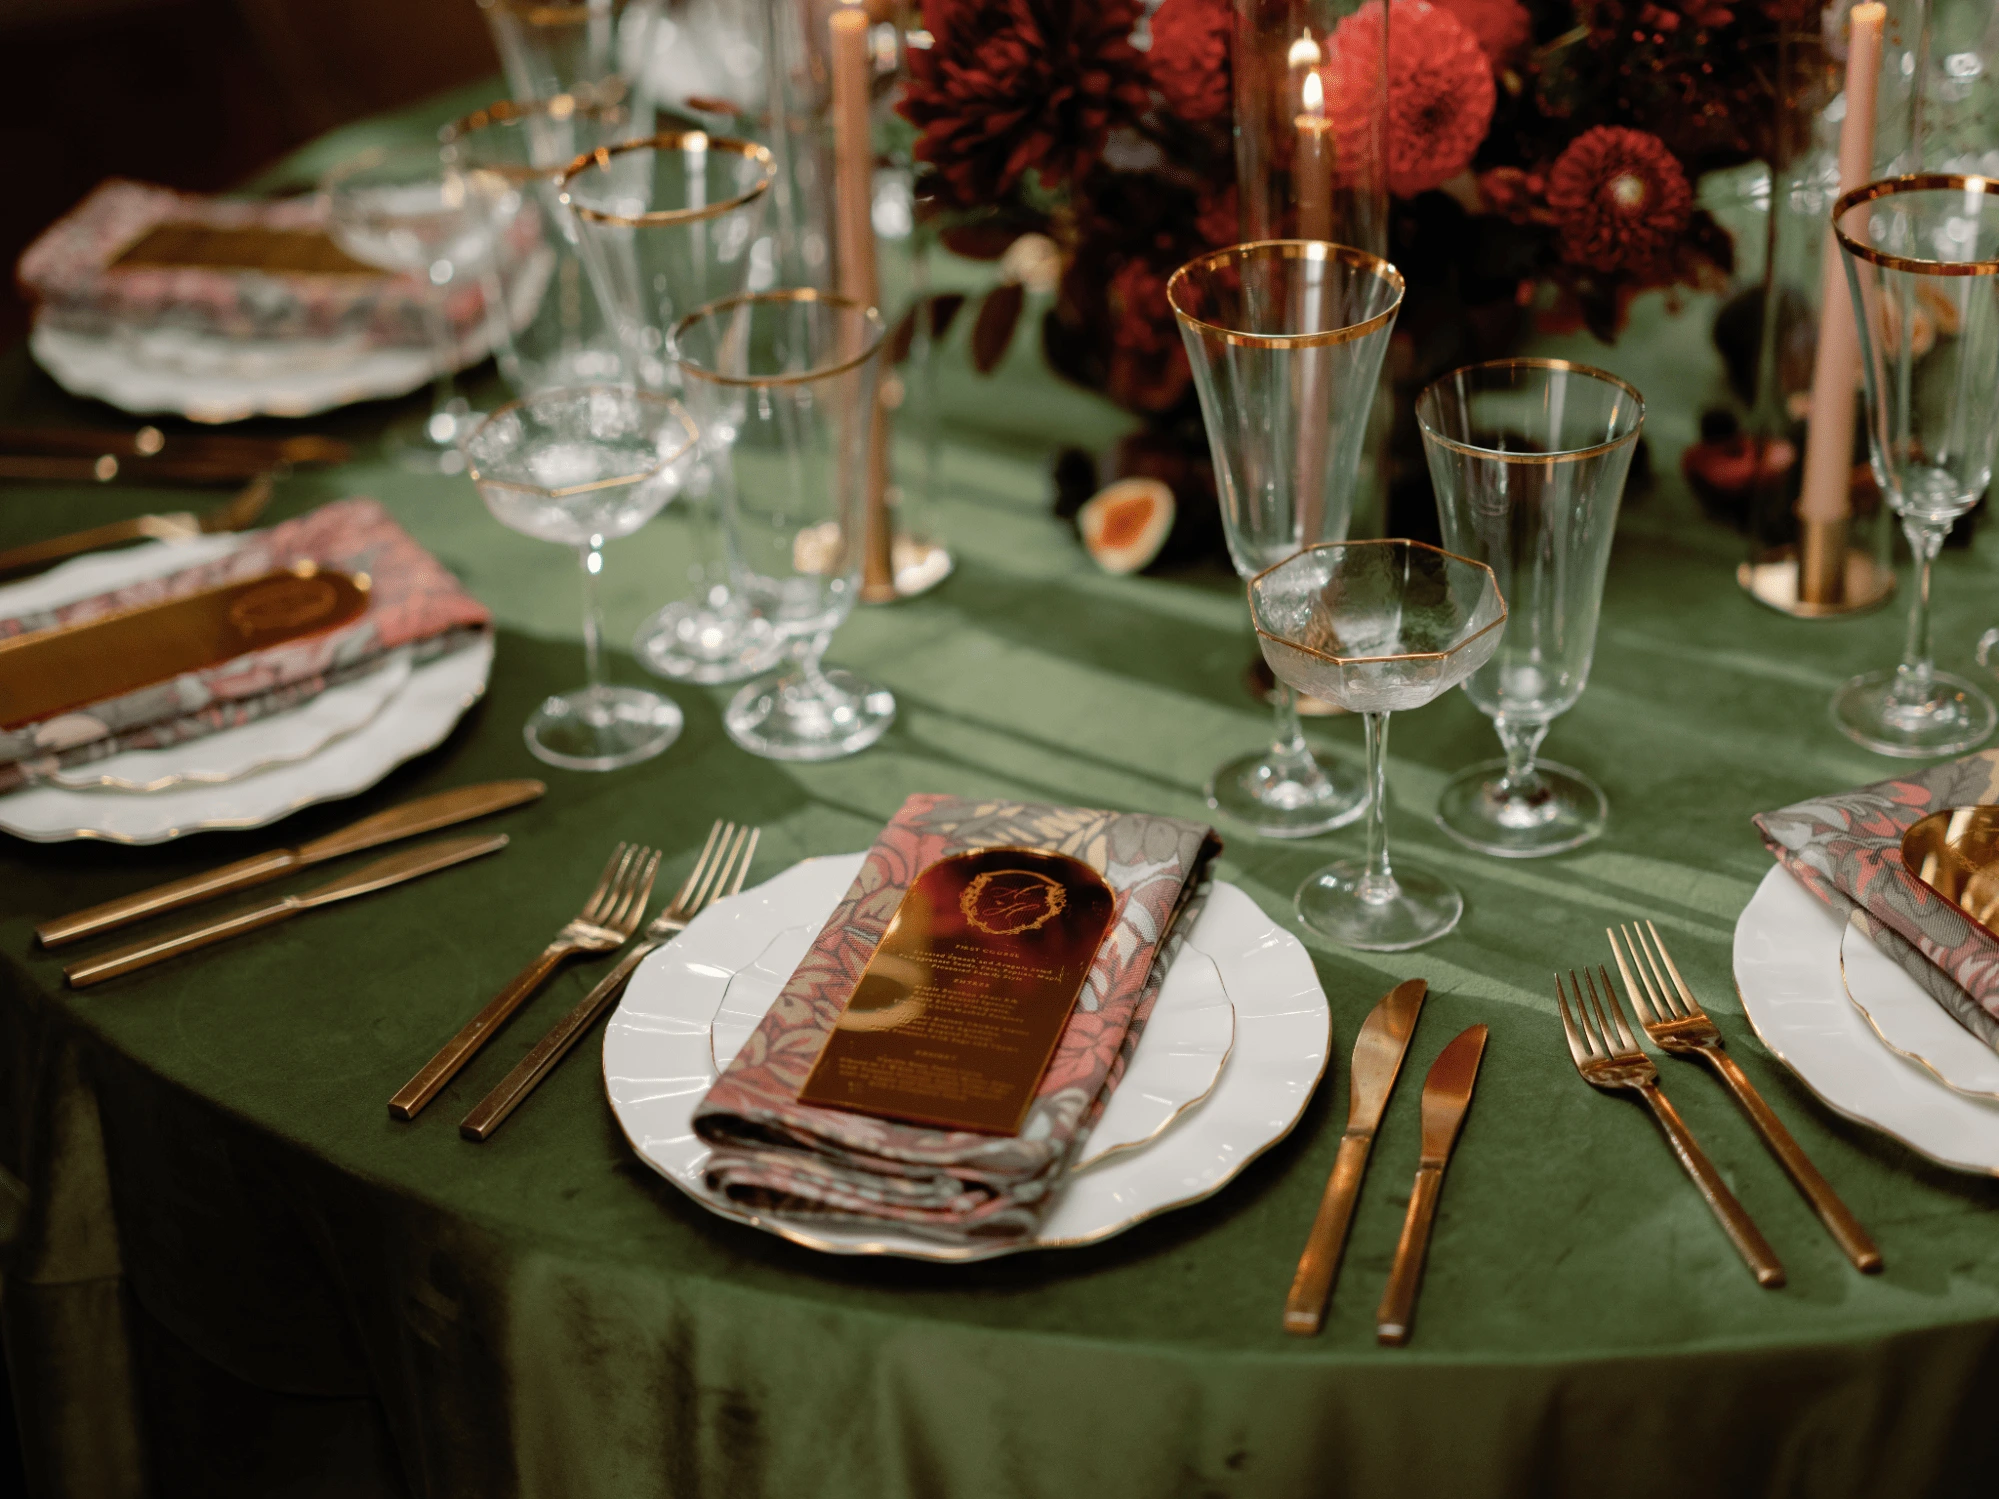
413 601
772 1152
1847 849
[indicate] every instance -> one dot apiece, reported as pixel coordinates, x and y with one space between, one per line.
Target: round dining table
227 1268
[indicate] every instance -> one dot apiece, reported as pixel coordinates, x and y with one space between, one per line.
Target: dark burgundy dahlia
1189 59
1009 87
1619 198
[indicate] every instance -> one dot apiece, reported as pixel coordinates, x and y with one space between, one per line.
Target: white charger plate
314 753
1787 970
1911 1022
692 1004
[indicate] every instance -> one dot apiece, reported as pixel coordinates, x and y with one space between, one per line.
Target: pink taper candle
1826 502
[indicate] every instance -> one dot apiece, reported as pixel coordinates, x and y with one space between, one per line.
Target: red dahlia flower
1440 91
1619 198
1009 87
1501 26
1189 60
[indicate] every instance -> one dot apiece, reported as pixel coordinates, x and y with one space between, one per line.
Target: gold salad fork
1608 1056
708 881
608 919
1676 1023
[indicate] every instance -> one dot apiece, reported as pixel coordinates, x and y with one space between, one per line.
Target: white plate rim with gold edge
1787 972
659 1062
1911 1022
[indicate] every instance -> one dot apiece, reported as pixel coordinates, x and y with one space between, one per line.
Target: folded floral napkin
771 1151
1847 849
77 273
412 601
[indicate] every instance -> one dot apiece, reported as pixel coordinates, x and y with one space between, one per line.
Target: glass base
1956 717
602 728
1272 796
1418 908
1567 810
429 444
692 642
791 716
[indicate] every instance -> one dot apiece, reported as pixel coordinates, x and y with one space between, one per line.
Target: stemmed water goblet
1922 264
783 385
667 224
547 324
1286 339
400 209
583 466
1528 458
1377 627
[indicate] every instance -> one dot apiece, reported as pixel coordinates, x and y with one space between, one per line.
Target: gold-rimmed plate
1912 1021
697 1000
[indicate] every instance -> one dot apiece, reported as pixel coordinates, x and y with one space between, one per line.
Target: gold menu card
251 247
960 1008
48 672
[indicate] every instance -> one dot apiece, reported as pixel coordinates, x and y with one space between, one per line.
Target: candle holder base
1772 579
1263 687
918 565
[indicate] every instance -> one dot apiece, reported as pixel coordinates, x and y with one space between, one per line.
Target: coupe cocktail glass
1285 338
1922 263
581 467
1528 457
1376 627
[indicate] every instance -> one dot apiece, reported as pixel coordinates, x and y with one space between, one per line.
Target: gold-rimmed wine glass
1286 339
667 224
1922 263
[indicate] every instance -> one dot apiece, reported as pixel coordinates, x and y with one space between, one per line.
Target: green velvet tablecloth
230 1269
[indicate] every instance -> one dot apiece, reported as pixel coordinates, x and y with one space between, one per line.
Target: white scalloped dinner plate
1904 1016
693 1003
1787 970
336 744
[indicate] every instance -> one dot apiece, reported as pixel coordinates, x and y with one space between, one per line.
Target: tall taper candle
1825 503
854 228
1312 166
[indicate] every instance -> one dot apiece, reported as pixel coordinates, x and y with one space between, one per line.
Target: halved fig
1125 524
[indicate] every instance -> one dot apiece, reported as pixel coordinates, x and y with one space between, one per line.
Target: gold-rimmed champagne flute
1922 263
1286 339
1377 627
667 224
580 467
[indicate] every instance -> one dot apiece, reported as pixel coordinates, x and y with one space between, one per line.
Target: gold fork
708 881
1676 1023
608 918
1608 1056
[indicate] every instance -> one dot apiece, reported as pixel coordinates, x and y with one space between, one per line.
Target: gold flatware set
1377 1060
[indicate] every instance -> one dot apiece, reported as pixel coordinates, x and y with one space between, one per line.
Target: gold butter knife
424 815
237 514
380 875
1446 1097
1377 1058
256 454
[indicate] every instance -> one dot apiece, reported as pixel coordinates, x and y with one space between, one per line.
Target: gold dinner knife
236 514
1377 1058
1446 1097
380 875
424 815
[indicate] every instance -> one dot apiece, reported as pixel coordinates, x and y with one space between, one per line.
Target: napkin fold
413 601
1847 850
772 1152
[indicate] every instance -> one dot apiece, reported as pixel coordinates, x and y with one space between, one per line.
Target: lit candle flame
1314 94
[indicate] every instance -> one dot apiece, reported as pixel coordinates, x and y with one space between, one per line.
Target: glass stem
811 651
443 348
1378 883
1287 740
591 554
1520 742
1915 680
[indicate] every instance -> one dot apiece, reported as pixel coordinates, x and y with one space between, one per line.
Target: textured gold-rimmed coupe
1285 339
1376 627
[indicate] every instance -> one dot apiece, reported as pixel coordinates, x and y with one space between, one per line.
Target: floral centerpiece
1541 160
